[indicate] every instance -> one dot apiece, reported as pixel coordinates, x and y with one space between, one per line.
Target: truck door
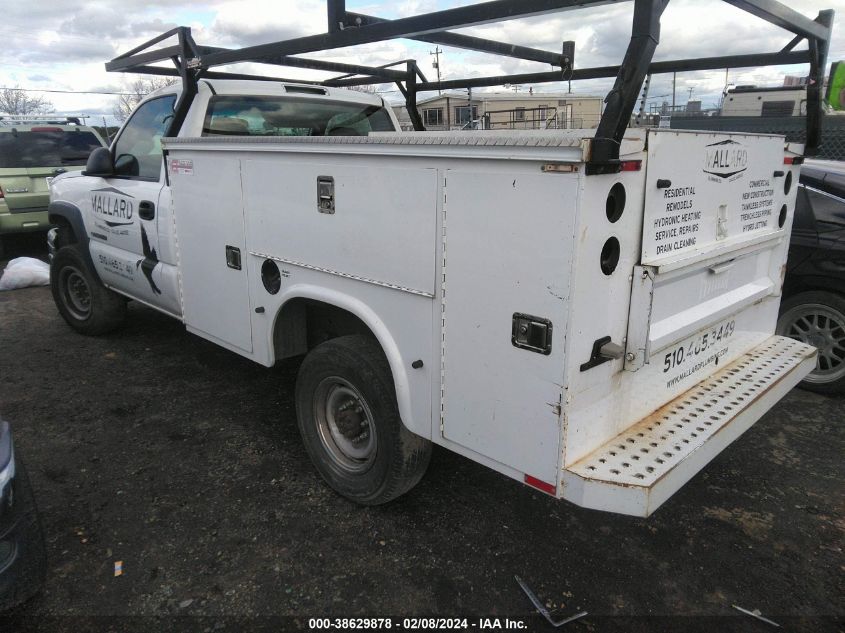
123 211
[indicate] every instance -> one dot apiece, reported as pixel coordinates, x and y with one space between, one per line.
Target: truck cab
124 213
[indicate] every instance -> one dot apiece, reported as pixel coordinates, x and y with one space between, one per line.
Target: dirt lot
181 459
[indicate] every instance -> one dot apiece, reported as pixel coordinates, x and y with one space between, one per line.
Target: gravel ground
156 448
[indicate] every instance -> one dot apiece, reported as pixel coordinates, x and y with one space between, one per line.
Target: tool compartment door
508 251
209 218
716 227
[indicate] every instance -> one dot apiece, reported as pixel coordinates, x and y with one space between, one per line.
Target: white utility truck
599 331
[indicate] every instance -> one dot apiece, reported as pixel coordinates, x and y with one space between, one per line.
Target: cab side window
137 152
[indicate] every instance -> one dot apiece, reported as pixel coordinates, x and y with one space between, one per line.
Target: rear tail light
2 195
793 160
631 165
45 129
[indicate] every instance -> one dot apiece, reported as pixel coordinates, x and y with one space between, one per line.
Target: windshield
48 148
290 116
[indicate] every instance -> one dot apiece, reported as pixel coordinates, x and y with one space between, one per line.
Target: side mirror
99 163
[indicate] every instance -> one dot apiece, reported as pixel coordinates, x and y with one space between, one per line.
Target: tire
818 318
24 578
83 301
349 421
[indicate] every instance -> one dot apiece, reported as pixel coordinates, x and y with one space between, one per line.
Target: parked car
22 554
813 308
31 150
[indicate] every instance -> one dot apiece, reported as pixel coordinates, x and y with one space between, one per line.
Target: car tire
24 578
818 318
83 301
349 421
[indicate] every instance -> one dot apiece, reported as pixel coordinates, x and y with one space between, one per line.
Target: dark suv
813 307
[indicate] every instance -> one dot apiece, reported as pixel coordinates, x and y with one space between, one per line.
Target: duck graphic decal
149 262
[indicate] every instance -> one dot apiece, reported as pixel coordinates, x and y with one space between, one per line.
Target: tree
136 91
17 101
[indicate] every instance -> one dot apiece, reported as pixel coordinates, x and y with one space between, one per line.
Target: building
753 101
505 111
792 80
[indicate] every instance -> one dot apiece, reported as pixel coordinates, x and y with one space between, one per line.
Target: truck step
639 469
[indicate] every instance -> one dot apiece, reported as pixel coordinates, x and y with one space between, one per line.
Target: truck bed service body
599 334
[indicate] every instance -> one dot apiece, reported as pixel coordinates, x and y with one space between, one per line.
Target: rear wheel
818 318
349 420
87 306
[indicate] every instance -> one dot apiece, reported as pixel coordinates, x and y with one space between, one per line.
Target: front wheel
349 421
818 319
83 301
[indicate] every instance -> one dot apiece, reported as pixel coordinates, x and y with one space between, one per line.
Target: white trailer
590 312
782 101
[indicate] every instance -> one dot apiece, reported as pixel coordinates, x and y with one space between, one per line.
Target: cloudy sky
48 48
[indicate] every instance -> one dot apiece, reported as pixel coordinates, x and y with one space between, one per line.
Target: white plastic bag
22 272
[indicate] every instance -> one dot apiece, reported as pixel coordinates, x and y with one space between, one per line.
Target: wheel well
302 324
66 234
813 285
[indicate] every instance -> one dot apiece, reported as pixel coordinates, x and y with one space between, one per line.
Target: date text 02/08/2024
416 624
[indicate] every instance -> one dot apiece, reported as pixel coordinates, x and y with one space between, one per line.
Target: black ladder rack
192 62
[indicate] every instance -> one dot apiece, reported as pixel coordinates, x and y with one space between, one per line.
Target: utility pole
106 130
436 64
469 98
674 78
643 99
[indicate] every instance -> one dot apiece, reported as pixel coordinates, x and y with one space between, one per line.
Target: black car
813 306
22 555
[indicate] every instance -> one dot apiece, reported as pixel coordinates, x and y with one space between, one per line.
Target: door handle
718 269
146 210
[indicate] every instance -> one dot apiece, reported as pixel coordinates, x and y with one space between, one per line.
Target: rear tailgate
701 362
25 188
716 227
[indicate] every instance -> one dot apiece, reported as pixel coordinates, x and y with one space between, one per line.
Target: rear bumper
24 222
642 467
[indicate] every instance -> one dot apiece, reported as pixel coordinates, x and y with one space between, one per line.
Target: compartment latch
325 194
233 257
531 333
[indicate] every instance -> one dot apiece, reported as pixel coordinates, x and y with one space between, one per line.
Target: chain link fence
793 128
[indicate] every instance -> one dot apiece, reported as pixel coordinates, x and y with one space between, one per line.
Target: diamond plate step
639 469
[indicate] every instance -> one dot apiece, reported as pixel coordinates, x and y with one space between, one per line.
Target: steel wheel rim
75 292
345 424
824 328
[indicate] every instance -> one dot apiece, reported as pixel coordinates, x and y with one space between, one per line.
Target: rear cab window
46 146
237 115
